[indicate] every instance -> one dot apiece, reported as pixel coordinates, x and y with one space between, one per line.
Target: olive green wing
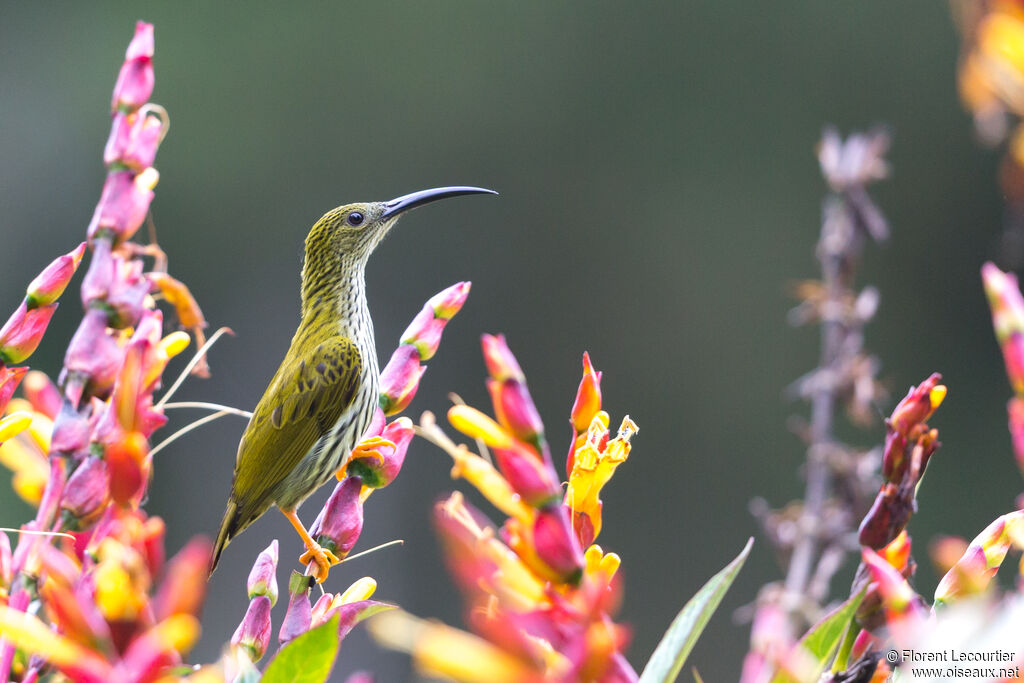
304 400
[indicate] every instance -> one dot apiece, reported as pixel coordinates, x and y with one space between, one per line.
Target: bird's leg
321 558
367 448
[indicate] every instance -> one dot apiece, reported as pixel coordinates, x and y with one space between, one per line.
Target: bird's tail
229 528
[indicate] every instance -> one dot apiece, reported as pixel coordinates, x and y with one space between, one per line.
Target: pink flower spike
379 473
299 616
263 577
253 634
9 380
400 379
556 543
23 332
341 521
501 364
448 302
50 284
588 397
135 81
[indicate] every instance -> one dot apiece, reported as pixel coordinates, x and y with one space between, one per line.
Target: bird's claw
320 560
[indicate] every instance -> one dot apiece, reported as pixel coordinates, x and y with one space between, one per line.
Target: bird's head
350 233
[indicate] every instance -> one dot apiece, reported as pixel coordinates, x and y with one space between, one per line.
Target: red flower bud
50 284
341 521
501 364
400 379
918 405
135 82
556 544
128 467
379 473
535 482
515 409
253 634
263 577
23 332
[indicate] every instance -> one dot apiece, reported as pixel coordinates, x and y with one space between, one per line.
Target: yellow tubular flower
362 589
482 475
593 468
14 424
449 653
477 425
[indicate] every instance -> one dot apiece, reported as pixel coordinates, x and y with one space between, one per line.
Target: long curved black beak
414 199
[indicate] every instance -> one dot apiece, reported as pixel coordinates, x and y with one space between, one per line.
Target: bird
322 398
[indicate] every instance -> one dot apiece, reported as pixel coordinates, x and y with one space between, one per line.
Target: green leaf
307 659
822 640
675 645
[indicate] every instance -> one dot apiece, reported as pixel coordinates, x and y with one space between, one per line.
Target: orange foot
322 560
367 448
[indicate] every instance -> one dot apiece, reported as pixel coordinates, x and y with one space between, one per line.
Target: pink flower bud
556 544
9 380
528 476
379 473
41 393
448 302
351 613
93 354
424 332
341 521
253 634
88 491
320 609
299 616
135 82
123 204
588 397
515 410
71 431
50 284
904 609
400 379
263 577
133 140
501 364
23 332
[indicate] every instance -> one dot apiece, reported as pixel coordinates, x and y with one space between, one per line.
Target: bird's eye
355 219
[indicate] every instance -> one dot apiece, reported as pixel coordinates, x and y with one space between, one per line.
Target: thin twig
204 405
192 363
186 429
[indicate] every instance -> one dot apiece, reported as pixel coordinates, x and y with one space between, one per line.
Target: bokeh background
658 193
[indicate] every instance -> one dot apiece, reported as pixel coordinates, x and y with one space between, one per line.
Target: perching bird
321 400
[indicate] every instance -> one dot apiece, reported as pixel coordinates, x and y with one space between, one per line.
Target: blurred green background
658 193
